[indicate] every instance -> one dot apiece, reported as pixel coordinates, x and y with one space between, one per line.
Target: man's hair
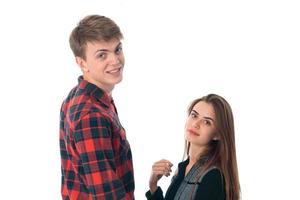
93 28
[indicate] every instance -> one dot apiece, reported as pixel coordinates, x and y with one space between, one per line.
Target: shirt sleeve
92 138
212 186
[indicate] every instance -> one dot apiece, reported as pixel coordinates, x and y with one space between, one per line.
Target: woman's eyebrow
209 118
205 117
195 112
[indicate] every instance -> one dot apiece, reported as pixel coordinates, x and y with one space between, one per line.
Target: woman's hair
93 28
221 153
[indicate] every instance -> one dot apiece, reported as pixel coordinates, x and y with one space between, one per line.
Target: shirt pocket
118 128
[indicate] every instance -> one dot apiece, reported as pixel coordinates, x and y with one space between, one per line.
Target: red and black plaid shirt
96 158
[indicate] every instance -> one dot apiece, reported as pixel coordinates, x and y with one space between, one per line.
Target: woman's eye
206 122
193 115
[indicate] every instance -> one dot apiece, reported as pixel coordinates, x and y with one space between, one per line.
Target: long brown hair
221 153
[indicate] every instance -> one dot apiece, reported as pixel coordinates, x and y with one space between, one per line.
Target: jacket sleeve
157 195
92 139
212 186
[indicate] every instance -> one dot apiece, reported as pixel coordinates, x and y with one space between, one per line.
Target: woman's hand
159 168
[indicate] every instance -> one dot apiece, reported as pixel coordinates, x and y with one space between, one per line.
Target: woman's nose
196 124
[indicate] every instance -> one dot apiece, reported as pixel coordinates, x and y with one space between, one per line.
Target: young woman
210 170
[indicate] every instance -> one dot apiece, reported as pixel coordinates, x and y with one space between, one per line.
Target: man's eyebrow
101 50
106 50
120 43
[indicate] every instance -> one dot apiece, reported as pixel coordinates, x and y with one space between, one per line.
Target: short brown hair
90 29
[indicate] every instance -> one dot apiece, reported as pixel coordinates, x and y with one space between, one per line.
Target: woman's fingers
159 169
162 167
162 163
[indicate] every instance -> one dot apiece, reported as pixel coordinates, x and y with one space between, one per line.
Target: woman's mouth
192 132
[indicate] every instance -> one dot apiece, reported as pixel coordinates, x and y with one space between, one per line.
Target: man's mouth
116 70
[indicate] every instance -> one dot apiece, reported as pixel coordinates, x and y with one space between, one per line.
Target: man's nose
114 59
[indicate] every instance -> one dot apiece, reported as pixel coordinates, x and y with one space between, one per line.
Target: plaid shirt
96 158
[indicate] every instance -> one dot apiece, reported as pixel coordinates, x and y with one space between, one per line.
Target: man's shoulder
79 104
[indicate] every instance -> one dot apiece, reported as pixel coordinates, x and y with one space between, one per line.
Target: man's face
104 64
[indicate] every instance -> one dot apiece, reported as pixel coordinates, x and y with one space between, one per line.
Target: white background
246 51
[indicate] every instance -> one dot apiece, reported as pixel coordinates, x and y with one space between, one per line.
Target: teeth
114 71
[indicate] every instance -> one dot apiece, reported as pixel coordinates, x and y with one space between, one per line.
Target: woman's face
200 127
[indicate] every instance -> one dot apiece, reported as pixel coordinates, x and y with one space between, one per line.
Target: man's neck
107 89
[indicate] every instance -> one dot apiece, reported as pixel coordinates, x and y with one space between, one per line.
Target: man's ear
82 64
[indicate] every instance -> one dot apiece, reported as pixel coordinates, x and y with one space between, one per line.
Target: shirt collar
201 161
94 91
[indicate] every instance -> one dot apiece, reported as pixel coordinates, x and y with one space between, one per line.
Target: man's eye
102 55
119 50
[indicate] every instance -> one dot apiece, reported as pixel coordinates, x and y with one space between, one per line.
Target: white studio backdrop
246 51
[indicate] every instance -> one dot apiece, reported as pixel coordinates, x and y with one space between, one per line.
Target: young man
96 158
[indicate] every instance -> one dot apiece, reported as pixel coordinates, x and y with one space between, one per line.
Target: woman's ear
215 138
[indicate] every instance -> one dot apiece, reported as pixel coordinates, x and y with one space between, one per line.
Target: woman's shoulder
212 174
211 185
